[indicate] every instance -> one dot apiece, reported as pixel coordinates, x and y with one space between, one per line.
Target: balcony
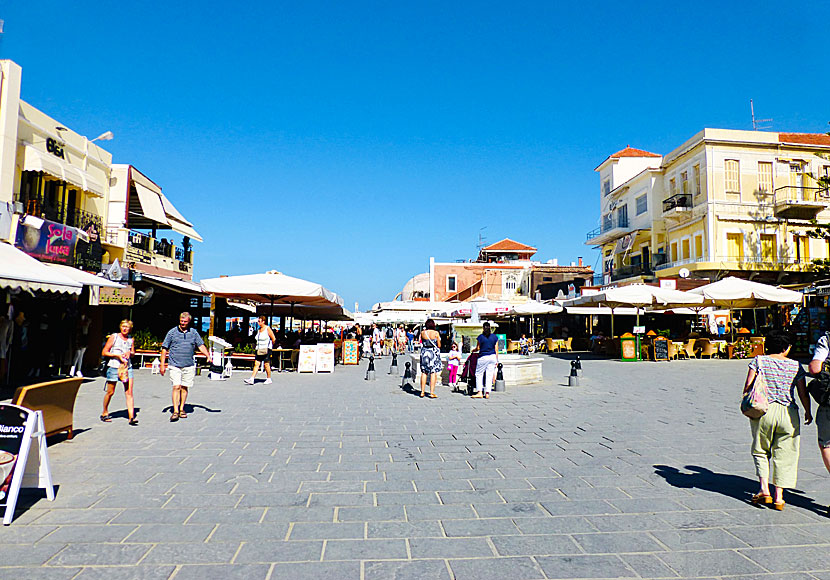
141 248
631 271
743 262
678 206
610 229
800 202
63 214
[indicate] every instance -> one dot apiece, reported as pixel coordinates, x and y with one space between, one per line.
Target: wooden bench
55 398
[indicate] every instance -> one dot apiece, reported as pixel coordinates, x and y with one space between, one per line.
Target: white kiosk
217 358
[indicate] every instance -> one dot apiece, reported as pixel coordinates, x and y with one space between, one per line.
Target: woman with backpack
776 434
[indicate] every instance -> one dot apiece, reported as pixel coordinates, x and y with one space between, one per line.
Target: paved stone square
642 472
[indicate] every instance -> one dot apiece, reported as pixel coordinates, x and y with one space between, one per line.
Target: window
684 182
802 248
642 204
606 187
732 176
606 222
825 171
735 246
672 186
696 175
547 278
698 246
622 216
452 283
685 249
769 251
674 251
765 176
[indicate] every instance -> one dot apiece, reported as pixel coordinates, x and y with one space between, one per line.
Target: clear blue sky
347 142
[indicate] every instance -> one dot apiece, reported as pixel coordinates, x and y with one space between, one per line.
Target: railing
677 201
800 193
770 261
630 271
63 214
140 241
607 226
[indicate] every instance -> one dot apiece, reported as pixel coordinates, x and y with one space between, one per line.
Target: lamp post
106 136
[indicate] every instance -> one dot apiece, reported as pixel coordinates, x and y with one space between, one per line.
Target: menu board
325 357
629 349
661 348
308 359
349 352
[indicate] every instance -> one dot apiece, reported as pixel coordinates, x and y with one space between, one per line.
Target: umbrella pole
612 323
755 319
271 312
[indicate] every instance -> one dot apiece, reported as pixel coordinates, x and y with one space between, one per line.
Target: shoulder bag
754 403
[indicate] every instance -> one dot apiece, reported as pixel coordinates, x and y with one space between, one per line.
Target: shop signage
88 250
18 467
325 357
668 284
54 148
48 241
349 352
116 296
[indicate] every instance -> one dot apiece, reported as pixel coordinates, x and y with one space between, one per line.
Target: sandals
423 394
133 422
779 506
174 417
182 415
105 419
477 396
761 498
433 396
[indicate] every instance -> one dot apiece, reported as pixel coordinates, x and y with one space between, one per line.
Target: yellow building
723 203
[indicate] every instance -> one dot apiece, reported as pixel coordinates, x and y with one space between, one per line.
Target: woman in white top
119 348
265 340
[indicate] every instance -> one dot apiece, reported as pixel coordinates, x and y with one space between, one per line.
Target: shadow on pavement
734 486
64 436
188 408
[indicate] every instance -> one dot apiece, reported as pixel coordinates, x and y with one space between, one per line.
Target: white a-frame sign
20 465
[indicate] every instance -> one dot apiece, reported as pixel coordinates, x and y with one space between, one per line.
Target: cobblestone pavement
644 471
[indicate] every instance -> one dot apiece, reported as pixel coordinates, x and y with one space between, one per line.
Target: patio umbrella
534 309
639 296
735 293
271 287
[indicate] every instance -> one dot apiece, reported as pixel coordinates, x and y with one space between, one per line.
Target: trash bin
629 348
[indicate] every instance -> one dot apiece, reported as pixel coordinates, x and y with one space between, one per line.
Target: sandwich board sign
325 357
308 359
20 464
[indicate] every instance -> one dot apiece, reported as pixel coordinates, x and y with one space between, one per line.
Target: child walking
453 362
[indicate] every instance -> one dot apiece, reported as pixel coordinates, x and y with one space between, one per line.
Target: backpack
389 333
819 387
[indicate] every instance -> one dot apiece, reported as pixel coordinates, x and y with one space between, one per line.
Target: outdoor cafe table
282 353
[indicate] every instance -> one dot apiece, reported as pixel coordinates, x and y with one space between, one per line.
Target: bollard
407 375
370 371
573 379
578 366
228 369
393 370
499 387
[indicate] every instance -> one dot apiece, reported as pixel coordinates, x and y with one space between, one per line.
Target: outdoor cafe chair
707 349
689 347
672 351
551 345
567 344
512 346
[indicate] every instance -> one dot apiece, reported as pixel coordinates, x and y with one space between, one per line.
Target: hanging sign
20 466
349 352
47 241
325 357
117 296
308 359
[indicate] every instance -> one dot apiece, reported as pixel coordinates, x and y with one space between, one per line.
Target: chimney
555 261
580 261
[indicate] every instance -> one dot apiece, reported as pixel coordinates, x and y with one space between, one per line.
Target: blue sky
347 142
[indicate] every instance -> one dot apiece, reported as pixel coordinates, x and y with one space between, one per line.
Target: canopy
272 287
175 284
327 313
36 160
19 270
736 293
82 277
535 308
641 296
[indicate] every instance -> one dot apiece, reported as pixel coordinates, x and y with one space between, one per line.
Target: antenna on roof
758 124
481 239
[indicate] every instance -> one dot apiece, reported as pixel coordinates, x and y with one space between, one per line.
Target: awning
36 160
183 286
177 221
18 270
151 205
82 277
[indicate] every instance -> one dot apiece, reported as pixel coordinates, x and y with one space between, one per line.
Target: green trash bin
629 348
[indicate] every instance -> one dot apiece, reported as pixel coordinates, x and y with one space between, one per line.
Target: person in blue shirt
488 358
181 344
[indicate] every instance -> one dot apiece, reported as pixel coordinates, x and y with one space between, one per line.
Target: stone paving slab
642 472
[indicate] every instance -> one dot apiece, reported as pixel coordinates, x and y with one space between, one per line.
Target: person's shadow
188 408
734 486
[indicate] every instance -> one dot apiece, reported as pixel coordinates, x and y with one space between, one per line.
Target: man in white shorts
181 343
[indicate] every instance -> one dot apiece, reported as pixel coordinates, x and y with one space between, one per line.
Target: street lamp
106 136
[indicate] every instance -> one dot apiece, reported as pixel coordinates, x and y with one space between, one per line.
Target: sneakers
249 381
268 381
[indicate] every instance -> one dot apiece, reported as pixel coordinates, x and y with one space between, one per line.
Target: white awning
177 221
36 160
151 205
84 278
19 270
175 283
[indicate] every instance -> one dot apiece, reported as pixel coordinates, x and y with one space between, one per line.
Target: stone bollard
578 366
499 387
573 379
370 371
407 375
393 370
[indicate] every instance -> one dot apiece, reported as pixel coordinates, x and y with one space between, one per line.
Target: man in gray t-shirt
181 344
